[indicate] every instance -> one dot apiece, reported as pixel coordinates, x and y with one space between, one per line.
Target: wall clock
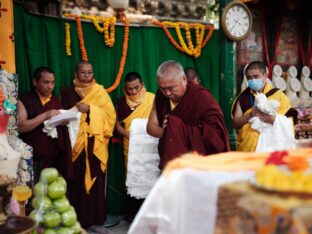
236 20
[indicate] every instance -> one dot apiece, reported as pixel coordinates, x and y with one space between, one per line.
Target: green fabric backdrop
40 41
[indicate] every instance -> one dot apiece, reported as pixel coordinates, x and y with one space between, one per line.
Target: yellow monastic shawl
141 111
247 138
102 122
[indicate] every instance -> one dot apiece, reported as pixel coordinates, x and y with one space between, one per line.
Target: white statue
277 80
306 87
293 86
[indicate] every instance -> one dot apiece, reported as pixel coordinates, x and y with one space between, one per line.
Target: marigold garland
81 40
123 57
67 39
110 40
108 23
189 47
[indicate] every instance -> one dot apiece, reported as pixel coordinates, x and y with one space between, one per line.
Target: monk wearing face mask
243 108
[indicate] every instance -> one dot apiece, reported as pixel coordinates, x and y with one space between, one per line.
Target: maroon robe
90 208
50 152
122 109
195 124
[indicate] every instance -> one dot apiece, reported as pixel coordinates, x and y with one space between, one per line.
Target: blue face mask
255 84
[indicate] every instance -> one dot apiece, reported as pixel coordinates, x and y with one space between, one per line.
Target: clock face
236 20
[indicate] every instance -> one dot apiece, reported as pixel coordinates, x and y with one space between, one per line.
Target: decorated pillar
7 52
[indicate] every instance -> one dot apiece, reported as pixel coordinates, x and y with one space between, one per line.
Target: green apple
72 208
62 181
48 175
69 218
51 219
34 214
61 204
41 202
76 228
49 231
65 230
40 189
56 190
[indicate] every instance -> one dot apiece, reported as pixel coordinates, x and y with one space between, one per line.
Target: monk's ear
34 81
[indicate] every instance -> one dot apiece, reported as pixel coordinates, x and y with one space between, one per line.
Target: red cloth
195 124
4 118
52 152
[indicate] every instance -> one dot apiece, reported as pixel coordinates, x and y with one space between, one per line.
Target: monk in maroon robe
33 109
185 117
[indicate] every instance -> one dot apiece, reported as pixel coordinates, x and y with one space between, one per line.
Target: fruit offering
52 210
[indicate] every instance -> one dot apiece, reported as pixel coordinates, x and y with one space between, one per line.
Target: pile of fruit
52 210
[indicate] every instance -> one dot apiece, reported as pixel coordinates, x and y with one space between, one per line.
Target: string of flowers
108 23
95 20
83 50
110 40
189 47
123 57
67 39
109 37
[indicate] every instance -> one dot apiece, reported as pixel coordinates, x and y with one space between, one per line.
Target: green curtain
40 41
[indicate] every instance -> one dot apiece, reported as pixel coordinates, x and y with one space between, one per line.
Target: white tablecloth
183 202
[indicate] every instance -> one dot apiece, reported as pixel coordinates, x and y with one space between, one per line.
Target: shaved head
171 80
170 69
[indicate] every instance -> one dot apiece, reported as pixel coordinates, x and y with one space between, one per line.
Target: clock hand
234 25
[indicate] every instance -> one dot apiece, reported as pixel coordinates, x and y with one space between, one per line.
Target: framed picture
287 53
251 48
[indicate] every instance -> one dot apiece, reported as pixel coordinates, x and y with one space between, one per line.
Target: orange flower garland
123 57
199 34
110 40
80 36
67 39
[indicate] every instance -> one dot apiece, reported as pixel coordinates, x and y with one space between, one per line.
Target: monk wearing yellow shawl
90 151
137 103
243 107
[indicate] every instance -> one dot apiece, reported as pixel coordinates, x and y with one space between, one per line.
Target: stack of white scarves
143 160
280 135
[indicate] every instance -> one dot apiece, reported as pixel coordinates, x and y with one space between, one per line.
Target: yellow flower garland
199 35
67 39
109 38
108 23
189 47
